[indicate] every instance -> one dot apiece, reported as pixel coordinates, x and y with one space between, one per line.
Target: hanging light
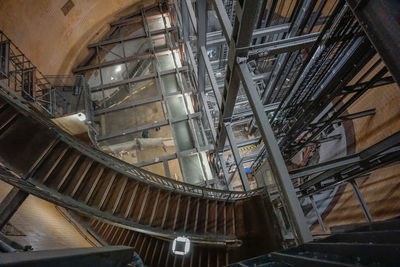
81 116
181 245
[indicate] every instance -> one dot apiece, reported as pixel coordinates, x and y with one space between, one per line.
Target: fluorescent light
118 68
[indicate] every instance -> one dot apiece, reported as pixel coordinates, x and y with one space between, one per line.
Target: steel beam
247 113
380 21
361 201
147 126
216 38
129 38
202 19
210 72
299 22
275 158
225 172
357 87
247 13
324 166
256 78
365 162
140 78
185 21
236 156
10 205
120 61
248 142
128 105
156 160
282 46
352 116
319 218
223 19
192 16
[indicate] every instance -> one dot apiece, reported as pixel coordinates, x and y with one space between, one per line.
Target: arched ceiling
55 42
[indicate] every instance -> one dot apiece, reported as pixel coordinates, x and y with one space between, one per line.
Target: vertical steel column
185 21
247 13
315 208
10 205
191 14
236 155
225 171
201 11
202 53
158 81
223 18
278 165
361 200
181 86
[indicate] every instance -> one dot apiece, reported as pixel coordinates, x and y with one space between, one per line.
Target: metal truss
302 65
154 33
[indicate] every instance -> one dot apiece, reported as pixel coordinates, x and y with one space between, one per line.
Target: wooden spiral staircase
128 205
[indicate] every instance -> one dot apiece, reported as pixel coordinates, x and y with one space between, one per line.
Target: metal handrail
129 170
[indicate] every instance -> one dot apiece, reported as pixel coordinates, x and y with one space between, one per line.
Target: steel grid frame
170 46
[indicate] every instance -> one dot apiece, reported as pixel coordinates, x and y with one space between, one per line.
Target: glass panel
113 73
165 62
136 47
154 147
198 131
100 95
140 67
131 139
177 58
93 78
132 29
185 81
176 106
110 52
159 41
133 92
192 170
189 102
157 23
170 84
131 117
184 140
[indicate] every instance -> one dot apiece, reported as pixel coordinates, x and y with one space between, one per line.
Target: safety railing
46 92
119 165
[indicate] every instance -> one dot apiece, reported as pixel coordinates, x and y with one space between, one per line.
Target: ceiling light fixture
181 245
81 116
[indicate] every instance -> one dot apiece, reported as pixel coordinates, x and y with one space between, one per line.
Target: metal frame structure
286 71
302 63
154 41
20 74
